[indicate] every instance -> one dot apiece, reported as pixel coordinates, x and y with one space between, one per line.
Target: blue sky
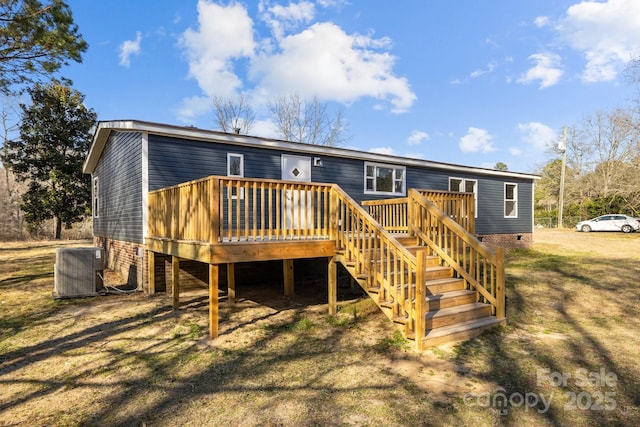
467 82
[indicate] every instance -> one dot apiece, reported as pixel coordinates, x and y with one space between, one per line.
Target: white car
614 222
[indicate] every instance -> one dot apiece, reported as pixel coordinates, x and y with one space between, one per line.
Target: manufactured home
167 199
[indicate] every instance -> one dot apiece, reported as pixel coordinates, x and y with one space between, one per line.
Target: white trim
241 175
514 200
464 187
533 208
241 156
394 179
95 196
145 185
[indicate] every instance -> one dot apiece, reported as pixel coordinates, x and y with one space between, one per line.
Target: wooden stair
453 313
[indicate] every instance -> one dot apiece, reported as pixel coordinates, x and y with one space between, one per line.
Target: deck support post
213 301
151 276
420 305
287 269
500 298
175 281
231 282
332 277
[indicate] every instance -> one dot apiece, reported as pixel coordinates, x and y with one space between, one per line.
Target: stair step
400 319
437 272
461 331
450 299
414 248
406 241
458 314
445 284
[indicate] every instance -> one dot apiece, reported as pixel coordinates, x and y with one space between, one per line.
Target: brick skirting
507 241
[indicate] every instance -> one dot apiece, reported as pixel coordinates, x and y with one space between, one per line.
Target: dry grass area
569 355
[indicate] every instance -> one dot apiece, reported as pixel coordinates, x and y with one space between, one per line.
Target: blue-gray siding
119 173
172 161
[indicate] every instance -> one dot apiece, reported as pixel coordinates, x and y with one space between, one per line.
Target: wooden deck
222 221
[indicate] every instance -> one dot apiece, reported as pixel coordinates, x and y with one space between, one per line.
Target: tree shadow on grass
552 303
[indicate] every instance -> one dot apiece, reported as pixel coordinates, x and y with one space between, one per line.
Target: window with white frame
510 200
464 185
235 168
96 204
384 179
235 165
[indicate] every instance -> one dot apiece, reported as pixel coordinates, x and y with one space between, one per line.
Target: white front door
297 208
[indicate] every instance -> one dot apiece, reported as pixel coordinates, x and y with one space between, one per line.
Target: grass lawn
568 355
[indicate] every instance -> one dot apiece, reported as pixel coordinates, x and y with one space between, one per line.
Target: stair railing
480 267
380 260
390 213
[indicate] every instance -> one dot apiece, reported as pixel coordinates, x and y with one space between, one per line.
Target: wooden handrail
390 213
379 258
480 267
458 206
393 214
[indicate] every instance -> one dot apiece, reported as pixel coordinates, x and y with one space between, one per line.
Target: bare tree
234 115
11 220
307 121
611 141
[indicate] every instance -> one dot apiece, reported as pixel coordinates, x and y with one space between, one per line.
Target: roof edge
104 129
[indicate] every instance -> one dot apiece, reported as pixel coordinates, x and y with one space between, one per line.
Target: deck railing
393 214
481 268
217 209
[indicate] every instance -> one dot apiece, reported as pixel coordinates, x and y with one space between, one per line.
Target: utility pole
563 147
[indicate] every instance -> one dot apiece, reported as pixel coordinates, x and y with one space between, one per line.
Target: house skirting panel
507 241
126 258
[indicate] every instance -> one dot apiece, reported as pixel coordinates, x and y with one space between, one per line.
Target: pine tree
55 134
36 39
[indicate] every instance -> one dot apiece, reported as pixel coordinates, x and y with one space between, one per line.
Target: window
384 179
510 200
96 204
235 165
463 185
235 168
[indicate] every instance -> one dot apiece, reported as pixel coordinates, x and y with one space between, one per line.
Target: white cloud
325 61
515 151
129 48
606 33
193 107
541 21
332 3
382 150
282 18
476 140
265 128
417 136
537 135
224 33
547 70
225 55
479 72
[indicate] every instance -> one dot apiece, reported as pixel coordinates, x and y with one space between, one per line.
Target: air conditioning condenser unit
78 272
